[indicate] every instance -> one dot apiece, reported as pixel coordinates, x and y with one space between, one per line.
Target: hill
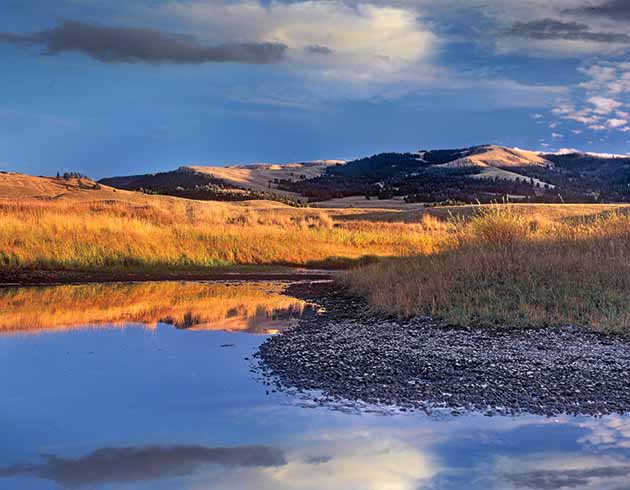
484 173
477 174
83 193
21 186
232 183
265 176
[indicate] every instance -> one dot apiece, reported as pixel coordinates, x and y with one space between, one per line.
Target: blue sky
119 87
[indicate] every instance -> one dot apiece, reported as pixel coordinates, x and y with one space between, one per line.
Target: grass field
509 265
176 233
500 264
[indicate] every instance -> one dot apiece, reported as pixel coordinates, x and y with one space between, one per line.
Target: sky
117 87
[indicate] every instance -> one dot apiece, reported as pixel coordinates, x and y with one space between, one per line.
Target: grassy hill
231 183
265 176
484 174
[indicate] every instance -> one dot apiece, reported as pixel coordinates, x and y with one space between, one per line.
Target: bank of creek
346 353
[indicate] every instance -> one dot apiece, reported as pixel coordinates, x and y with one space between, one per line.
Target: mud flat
45 277
344 352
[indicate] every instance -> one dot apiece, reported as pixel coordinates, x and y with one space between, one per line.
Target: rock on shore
348 353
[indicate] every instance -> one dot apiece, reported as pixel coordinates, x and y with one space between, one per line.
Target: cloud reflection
355 463
134 464
564 471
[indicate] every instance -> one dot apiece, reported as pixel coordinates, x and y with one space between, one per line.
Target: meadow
501 266
175 234
504 264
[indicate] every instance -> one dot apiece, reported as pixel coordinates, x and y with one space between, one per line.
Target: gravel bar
345 353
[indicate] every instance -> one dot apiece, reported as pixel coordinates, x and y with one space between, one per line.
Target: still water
147 386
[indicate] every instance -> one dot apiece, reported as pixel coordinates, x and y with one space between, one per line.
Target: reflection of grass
505 267
183 304
176 234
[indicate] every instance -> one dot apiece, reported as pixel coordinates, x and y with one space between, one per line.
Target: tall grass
186 234
502 267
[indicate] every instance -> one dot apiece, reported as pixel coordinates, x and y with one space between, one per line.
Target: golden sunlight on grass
177 233
260 308
505 267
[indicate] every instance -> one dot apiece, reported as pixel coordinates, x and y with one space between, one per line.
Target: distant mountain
477 174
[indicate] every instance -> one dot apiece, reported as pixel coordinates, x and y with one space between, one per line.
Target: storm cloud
129 464
550 29
317 49
613 9
573 478
138 45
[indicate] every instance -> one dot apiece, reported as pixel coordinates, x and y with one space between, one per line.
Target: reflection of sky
169 409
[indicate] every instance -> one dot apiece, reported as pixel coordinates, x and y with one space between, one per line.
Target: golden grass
501 266
258 308
178 233
505 264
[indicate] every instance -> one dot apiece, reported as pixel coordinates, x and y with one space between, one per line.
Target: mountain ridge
482 173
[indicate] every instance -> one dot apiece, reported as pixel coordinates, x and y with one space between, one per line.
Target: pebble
347 353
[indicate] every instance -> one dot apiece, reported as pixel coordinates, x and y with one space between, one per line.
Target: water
155 394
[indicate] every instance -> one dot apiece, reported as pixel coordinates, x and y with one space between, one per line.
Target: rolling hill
17 188
265 176
231 183
477 174
21 186
482 173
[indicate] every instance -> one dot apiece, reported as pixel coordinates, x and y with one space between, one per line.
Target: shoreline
346 353
26 278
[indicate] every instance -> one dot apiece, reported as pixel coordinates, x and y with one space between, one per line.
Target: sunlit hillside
16 187
264 176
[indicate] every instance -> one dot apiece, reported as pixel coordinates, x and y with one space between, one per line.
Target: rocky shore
344 352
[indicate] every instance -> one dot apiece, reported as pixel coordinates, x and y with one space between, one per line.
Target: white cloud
557 136
616 123
384 50
604 105
366 42
602 101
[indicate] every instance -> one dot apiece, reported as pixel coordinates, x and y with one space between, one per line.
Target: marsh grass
506 268
499 265
176 234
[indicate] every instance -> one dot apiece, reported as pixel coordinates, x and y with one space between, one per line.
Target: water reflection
411 455
163 409
133 464
249 307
